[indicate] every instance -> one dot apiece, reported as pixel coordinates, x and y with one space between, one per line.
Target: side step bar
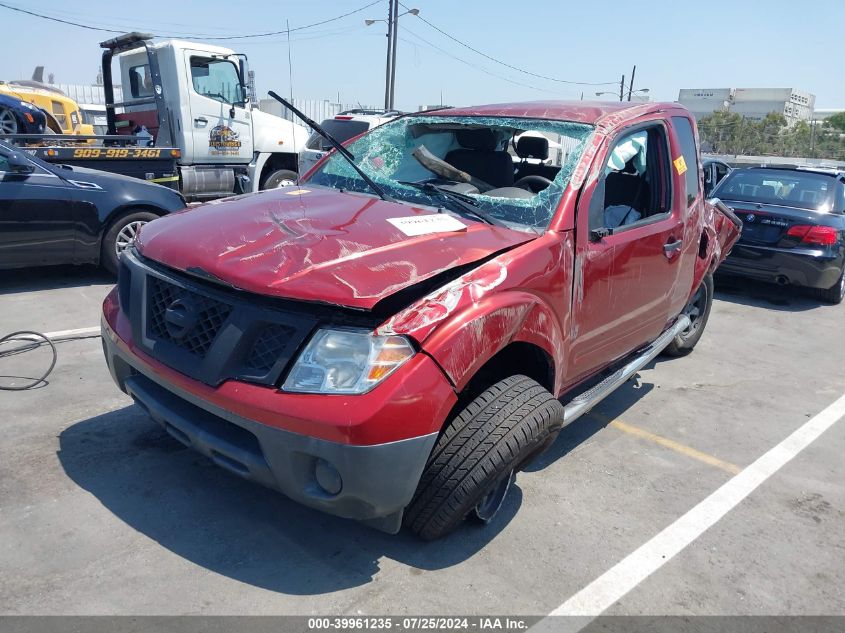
582 403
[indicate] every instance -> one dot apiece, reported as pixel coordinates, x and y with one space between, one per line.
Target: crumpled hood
315 244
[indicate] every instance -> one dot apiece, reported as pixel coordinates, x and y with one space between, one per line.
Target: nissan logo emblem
180 317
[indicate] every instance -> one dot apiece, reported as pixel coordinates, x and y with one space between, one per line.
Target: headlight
346 361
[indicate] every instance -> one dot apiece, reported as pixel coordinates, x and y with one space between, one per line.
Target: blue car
20 117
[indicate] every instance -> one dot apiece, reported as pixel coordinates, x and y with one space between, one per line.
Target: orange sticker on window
680 165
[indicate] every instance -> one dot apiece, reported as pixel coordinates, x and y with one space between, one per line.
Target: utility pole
393 49
388 74
812 138
631 85
622 88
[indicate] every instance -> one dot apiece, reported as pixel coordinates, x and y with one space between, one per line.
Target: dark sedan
793 227
55 214
20 117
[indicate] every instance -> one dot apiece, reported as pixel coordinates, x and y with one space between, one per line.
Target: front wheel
836 293
280 178
8 122
121 235
698 311
478 454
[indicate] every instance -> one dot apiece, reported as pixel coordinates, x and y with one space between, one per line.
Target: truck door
629 249
221 125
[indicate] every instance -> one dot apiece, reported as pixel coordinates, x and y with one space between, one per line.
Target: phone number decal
116 152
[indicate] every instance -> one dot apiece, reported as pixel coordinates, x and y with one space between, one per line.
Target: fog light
328 477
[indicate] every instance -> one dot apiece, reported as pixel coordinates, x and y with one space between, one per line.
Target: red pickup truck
393 339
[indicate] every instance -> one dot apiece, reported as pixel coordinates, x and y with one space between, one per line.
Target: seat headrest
481 139
533 147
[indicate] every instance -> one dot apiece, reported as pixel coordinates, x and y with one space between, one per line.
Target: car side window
687 163
635 182
4 164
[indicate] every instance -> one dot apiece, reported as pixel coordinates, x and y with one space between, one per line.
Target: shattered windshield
510 170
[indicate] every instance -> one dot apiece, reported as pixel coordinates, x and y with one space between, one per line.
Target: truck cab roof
589 112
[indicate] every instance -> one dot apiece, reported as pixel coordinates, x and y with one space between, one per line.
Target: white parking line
83 331
617 581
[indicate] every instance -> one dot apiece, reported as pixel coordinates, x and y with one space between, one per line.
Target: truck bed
117 154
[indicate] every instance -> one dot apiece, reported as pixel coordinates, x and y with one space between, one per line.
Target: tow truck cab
193 97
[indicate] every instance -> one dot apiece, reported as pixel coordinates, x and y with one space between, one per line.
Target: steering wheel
533 183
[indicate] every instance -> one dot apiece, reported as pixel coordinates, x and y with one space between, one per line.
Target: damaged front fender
465 323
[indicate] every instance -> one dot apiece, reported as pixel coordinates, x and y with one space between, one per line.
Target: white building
751 103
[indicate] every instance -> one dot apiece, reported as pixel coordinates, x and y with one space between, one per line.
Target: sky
673 43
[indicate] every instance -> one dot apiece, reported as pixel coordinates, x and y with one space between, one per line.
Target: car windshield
513 170
786 187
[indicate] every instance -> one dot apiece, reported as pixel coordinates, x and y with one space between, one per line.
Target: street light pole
390 57
631 86
393 59
622 88
392 40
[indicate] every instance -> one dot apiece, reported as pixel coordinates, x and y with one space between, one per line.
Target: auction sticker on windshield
425 224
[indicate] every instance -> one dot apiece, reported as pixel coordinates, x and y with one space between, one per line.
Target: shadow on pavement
235 528
763 295
48 277
591 423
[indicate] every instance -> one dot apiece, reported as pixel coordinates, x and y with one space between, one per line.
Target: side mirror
18 164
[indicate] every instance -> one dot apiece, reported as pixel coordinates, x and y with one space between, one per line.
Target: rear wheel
121 235
475 460
280 178
8 122
836 293
698 311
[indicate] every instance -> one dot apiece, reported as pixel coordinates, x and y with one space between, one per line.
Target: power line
516 68
226 37
470 64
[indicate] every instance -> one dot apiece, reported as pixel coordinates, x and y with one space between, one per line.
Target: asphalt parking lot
101 512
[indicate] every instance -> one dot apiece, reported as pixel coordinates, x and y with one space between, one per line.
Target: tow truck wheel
280 178
698 311
478 454
121 235
8 122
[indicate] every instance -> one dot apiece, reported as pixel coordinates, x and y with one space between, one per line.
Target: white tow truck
184 121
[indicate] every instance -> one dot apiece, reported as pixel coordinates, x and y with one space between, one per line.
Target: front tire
698 310
836 293
479 452
8 122
280 178
120 235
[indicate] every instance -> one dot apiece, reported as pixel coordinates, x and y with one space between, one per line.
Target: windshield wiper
337 145
462 201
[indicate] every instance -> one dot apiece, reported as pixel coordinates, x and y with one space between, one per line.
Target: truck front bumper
371 483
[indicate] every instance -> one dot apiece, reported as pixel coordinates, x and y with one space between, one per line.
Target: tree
837 121
729 133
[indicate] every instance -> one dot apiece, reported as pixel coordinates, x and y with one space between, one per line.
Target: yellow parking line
683 449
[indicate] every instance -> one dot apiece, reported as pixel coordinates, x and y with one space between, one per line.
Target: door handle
670 248
201 121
